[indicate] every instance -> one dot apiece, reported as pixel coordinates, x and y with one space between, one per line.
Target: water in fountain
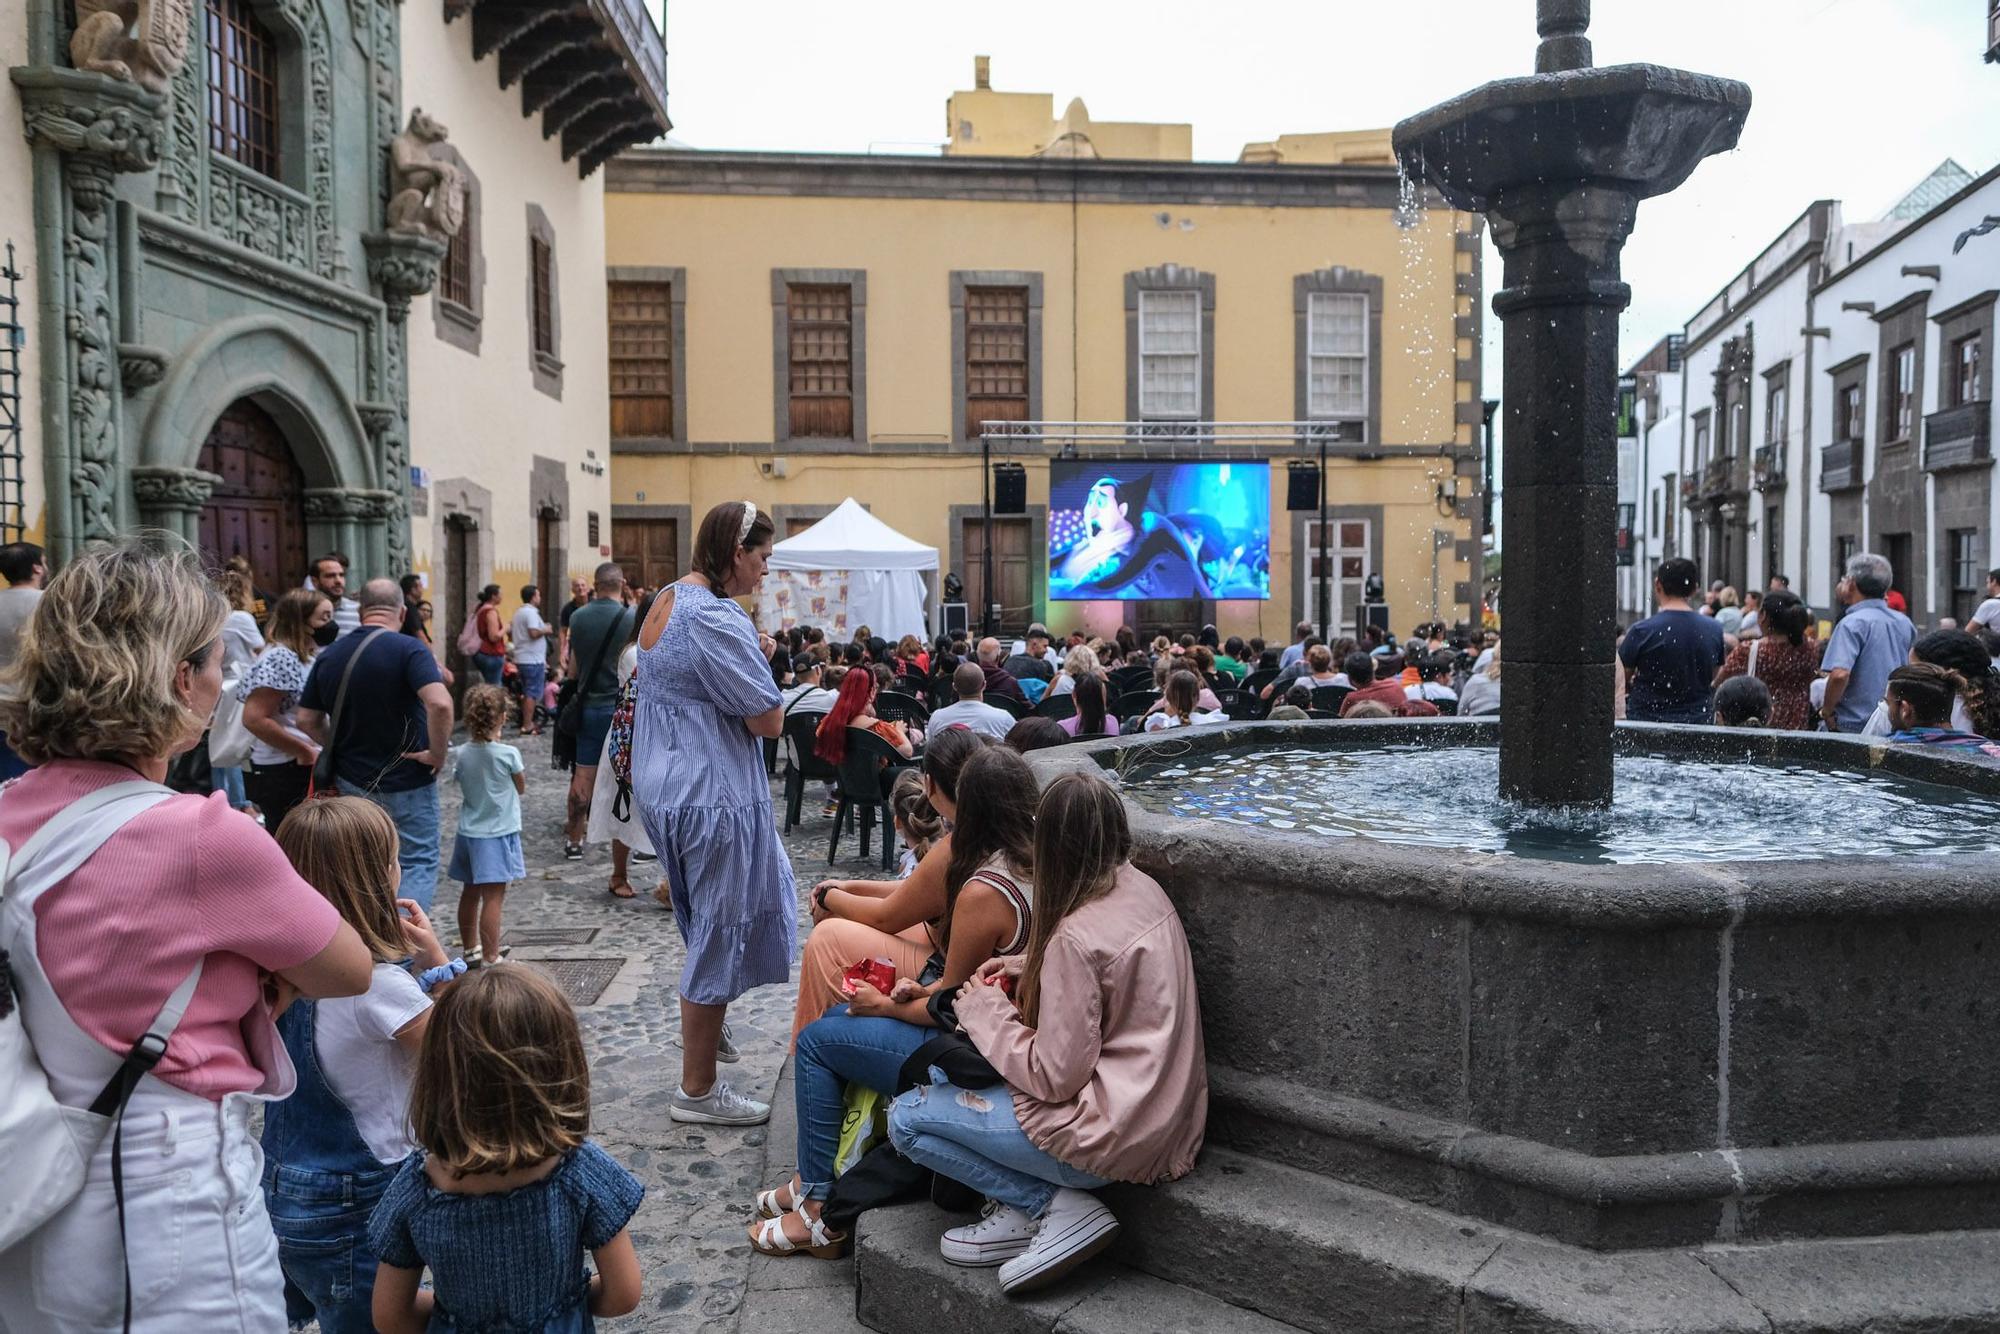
1666 810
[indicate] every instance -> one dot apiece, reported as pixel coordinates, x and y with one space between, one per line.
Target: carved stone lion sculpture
135 41
427 197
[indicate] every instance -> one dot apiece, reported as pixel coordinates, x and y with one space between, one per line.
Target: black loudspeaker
1302 487
1010 488
956 621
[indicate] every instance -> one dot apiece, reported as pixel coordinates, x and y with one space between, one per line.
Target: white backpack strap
81 810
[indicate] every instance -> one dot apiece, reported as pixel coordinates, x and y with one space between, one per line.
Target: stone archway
257 508
264 361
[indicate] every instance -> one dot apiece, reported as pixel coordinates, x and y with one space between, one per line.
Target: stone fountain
1558 162
1454 1091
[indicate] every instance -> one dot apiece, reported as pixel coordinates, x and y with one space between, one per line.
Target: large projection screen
1132 529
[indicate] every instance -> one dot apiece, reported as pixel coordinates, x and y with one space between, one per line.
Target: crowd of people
1015 1015
1761 661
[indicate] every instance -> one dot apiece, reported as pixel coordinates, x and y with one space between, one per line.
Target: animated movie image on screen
1124 528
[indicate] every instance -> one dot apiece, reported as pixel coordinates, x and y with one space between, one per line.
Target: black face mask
324 635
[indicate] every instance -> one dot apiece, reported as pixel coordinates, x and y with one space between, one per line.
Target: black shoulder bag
569 703
322 774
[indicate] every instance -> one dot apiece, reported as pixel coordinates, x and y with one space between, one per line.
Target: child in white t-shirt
486 855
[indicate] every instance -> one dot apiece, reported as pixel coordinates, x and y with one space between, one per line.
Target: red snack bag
877 973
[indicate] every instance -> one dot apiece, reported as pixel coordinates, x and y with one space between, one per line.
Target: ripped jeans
973 1137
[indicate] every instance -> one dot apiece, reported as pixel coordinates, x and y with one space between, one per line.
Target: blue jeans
490 666
973 1137
230 781
833 1051
416 815
321 1219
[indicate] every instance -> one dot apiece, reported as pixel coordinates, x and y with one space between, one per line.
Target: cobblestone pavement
700 1180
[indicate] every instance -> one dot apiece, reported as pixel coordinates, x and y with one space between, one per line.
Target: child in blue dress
507 1191
486 855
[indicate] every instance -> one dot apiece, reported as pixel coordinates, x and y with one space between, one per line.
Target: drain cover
582 980
552 935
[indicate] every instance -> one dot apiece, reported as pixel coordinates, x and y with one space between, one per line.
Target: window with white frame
1342 553
1170 354
1337 353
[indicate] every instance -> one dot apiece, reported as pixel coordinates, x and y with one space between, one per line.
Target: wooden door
459 597
648 550
1012 572
549 562
257 511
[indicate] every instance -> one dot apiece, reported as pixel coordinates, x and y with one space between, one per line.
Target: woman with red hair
853 707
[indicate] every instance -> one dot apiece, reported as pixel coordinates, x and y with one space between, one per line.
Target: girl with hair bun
1919 700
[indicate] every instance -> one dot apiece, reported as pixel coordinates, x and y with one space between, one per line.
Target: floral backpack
620 747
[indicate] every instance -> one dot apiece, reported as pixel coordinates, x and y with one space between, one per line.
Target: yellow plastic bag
865 1125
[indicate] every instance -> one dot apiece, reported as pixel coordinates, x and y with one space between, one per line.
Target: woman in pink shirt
119 670
1099 1047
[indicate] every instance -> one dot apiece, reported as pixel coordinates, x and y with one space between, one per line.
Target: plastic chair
1018 708
1057 707
1329 698
1136 701
863 789
1239 706
801 730
1254 683
897 707
1447 708
1127 679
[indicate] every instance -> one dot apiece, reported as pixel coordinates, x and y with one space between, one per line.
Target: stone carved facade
295 267
428 192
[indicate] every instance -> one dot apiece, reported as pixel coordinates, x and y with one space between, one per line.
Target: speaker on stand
1010 488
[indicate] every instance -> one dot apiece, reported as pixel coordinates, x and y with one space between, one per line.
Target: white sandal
768 1238
768 1206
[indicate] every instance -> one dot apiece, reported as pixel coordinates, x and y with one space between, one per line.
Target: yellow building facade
731 274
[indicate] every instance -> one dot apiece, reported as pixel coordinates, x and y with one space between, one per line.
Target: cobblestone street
700 1180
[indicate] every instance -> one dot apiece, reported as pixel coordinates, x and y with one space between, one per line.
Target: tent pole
986 543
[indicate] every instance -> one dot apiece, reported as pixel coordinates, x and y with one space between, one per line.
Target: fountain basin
1614 1056
1639 128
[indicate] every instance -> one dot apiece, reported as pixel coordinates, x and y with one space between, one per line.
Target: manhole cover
582 980
552 935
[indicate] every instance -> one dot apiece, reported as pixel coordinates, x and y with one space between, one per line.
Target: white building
1648 465
1903 415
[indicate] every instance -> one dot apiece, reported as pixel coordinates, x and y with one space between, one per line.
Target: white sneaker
725 1046
1074 1228
1001 1233
720 1106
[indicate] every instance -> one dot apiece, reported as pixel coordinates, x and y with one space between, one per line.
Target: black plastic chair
1447 708
1235 703
898 707
1127 679
1136 701
801 729
1320 715
1330 698
1254 683
1057 707
1018 708
863 790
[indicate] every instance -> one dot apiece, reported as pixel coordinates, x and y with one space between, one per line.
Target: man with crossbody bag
596 632
382 715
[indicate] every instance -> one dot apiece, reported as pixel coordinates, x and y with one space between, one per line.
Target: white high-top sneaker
1075 1227
1001 1233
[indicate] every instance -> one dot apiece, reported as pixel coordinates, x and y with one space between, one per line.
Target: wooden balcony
1725 478
1960 437
595 70
1840 465
1767 467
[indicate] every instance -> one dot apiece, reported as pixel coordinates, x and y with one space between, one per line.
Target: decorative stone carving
427 195
149 57
92 115
404 265
140 367
333 504
184 489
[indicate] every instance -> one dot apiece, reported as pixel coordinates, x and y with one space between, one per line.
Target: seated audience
999 681
1366 709
1098 1042
853 709
1919 698
1036 733
1180 705
1434 678
971 710
1387 691
1481 696
1093 715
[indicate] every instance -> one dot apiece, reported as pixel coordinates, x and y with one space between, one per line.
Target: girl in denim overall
332 1148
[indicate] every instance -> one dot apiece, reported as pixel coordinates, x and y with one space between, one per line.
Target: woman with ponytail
1096 1033
705 700
1977 707
1919 700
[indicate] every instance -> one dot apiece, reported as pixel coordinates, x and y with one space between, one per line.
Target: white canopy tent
848 570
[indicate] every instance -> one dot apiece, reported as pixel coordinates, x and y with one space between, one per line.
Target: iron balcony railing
1840 465
1959 437
1723 477
1768 466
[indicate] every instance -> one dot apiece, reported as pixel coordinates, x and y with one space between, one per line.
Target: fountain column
1558 162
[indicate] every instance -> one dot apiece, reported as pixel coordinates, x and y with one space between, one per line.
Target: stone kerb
1616 1056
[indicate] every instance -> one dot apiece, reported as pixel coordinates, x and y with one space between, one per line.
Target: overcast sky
1854 100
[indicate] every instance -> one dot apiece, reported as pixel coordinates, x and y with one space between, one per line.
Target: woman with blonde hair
241 643
1081 661
1481 696
282 755
176 904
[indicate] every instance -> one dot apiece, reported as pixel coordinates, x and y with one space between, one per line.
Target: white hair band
749 522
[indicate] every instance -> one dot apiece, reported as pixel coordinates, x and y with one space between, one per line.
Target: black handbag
569 703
